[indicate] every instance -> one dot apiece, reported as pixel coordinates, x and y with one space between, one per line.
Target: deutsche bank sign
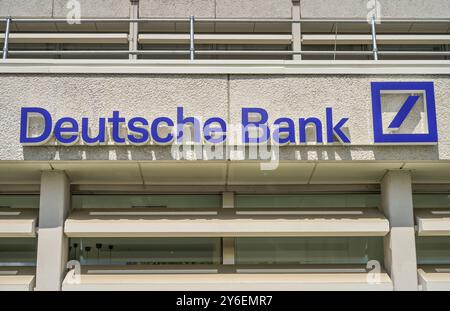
403 113
415 93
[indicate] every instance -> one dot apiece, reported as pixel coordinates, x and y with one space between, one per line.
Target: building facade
225 145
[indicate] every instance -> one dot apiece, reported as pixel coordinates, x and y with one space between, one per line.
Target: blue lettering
85 132
181 122
255 129
290 130
24 117
66 135
155 133
260 125
139 134
318 127
335 129
209 131
116 122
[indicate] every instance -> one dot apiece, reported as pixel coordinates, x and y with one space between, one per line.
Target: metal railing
193 52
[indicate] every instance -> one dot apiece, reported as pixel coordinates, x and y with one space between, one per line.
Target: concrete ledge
116 278
142 223
433 222
224 67
434 278
17 279
17 223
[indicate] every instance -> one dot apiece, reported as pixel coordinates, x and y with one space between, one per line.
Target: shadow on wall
286 153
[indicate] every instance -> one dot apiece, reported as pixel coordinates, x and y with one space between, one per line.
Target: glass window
308 201
431 200
18 251
309 250
19 201
433 250
147 201
146 251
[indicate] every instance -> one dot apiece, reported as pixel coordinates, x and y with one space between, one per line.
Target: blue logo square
427 88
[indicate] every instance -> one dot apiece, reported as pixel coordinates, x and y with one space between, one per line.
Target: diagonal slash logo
397 131
404 112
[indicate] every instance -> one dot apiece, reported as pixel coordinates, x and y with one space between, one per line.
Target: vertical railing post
133 30
374 39
296 29
192 37
6 42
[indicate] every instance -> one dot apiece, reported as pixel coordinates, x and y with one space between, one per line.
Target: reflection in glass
147 201
309 250
433 250
308 201
19 201
18 252
431 200
146 251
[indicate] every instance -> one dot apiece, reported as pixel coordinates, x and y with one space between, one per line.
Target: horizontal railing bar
98 20
326 20
223 20
66 52
87 52
236 52
443 53
216 52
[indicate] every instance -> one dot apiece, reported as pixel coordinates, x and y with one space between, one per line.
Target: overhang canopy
18 222
158 279
150 223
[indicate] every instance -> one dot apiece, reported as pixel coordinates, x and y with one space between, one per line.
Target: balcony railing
296 44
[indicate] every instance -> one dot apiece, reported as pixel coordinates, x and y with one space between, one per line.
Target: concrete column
400 247
52 253
228 251
228 244
228 199
296 29
134 28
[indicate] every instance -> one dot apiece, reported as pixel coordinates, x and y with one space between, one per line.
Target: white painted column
296 29
52 253
400 247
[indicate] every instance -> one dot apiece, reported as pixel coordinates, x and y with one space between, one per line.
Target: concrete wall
254 8
94 9
215 8
177 8
209 96
58 8
389 8
26 8
229 8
